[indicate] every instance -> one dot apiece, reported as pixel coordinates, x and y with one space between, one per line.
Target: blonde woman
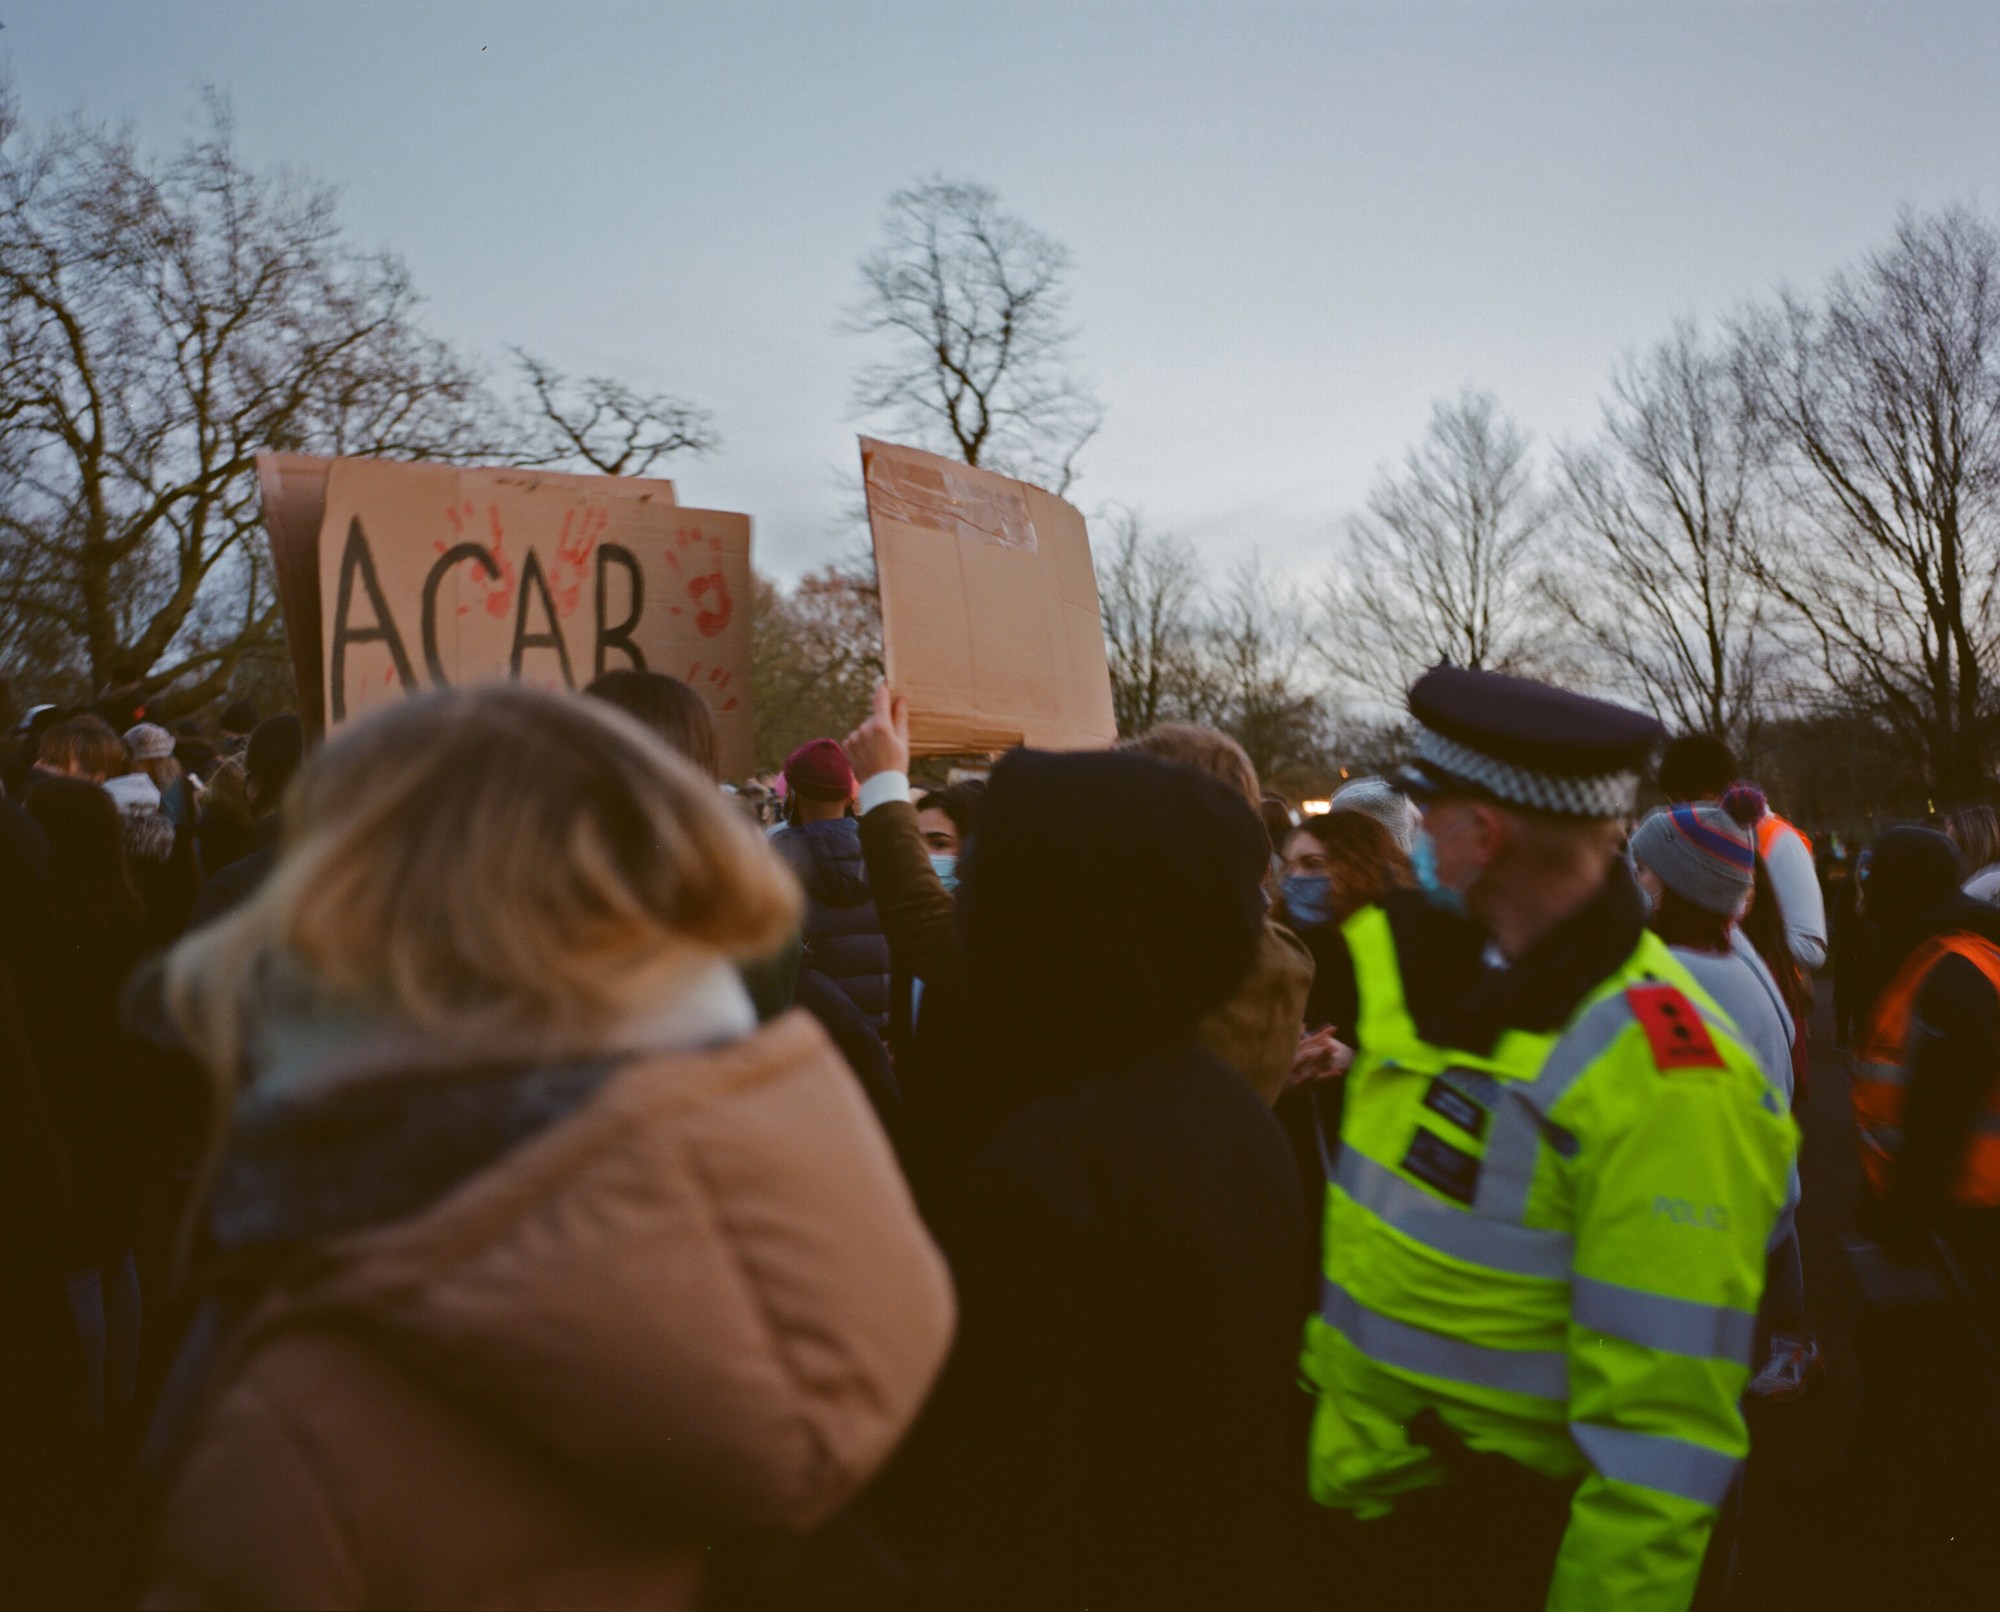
558 1268
152 750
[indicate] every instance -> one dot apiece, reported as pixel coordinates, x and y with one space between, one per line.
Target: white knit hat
1383 801
149 742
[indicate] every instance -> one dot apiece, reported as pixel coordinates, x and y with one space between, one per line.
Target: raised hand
882 743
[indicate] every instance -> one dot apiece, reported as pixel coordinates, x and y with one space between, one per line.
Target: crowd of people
487 1158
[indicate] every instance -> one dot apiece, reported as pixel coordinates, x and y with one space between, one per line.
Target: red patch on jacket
1674 1029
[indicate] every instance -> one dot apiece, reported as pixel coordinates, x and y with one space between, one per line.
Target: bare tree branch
1441 566
603 425
1661 521
162 321
973 303
1881 409
1149 591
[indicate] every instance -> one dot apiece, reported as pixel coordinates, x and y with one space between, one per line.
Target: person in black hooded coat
1115 1426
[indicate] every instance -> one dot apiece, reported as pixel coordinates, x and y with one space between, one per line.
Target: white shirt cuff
879 788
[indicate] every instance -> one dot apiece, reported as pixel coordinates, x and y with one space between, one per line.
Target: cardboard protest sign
427 575
990 623
294 491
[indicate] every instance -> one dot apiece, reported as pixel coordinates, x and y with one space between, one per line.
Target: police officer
1546 1216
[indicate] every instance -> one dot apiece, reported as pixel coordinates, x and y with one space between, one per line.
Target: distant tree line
1782 530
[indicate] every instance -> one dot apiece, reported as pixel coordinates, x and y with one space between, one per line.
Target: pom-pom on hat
1700 853
1745 802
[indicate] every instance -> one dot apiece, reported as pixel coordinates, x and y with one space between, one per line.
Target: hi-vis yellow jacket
1560 1248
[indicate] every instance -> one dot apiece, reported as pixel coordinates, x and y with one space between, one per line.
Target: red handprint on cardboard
500 583
696 559
713 687
575 543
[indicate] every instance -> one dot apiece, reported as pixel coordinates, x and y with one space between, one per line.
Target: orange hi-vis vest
1769 827
1881 1073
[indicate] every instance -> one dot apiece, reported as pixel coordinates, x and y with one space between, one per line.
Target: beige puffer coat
700 1302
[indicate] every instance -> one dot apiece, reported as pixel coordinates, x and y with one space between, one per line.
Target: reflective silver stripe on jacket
1522 1121
1879 1074
1655 1321
1670 1465
1508 1170
1453 1232
1882 1138
1543 1373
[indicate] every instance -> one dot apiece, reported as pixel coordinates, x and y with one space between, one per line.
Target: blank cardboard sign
428 576
989 607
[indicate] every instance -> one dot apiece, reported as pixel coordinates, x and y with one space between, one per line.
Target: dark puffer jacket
843 937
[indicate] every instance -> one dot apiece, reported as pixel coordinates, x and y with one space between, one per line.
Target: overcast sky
1292 226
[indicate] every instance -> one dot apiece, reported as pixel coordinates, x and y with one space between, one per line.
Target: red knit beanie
819 770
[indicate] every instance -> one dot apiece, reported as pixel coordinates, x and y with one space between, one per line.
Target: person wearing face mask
944 819
1556 1174
1335 864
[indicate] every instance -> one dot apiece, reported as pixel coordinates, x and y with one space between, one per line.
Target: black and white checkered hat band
1607 795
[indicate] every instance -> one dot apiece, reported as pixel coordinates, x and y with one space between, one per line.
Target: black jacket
843 938
234 883
97 1079
1115 1427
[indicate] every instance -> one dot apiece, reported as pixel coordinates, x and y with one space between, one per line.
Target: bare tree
599 423
1441 566
979 352
1150 591
1254 678
160 323
1662 520
1882 405
815 656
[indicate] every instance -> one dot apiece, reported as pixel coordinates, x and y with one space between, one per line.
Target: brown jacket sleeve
1256 1032
917 913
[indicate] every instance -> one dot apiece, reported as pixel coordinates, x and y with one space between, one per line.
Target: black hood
1911 893
1913 880
1109 901
1911 870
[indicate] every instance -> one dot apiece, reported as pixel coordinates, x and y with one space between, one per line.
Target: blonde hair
165 771
1977 831
1207 750
489 863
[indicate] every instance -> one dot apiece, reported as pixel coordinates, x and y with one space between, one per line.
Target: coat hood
134 792
149 832
1109 901
667 1271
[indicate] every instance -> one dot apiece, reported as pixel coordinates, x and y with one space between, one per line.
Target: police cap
1526 743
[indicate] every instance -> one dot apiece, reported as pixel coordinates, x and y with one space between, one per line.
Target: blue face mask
1308 898
1424 862
946 868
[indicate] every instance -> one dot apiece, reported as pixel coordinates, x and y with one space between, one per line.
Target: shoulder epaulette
1674 1028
